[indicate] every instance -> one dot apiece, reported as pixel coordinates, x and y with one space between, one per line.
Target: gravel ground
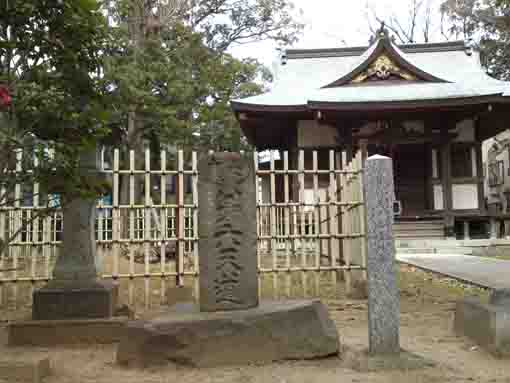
427 304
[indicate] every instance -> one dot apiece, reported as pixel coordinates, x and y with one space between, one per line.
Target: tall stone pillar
75 290
383 294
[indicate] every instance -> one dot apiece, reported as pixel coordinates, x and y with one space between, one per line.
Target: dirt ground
427 305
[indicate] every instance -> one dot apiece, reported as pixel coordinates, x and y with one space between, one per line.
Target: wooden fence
310 223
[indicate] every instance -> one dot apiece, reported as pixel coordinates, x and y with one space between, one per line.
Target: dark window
462 166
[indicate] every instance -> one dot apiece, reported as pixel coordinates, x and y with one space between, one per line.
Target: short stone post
383 294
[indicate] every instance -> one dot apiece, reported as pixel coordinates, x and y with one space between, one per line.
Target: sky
335 23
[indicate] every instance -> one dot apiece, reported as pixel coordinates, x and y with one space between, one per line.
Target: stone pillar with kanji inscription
228 233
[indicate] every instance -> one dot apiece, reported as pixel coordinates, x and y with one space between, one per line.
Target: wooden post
479 164
466 230
346 242
179 221
289 243
116 216
446 178
147 234
332 214
302 238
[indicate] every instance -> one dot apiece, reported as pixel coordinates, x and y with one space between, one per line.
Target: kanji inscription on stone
227 232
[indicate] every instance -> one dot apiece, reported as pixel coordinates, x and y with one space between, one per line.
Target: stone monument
229 326
75 290
228 238
488 324
383 295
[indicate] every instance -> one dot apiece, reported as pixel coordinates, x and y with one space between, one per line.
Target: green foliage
227 22
50 58
175 77
488 23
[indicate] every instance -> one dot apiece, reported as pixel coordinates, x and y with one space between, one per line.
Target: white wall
465 196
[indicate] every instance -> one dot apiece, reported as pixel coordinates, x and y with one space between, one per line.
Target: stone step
418 230
435 250
407 228
418 224
419 234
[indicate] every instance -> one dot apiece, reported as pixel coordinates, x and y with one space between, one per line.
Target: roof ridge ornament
381 33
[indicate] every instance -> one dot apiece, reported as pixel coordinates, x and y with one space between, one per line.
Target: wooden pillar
446 178
363 146
466 230
479 165
494 228
349 148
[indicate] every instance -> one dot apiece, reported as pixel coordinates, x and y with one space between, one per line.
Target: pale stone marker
383 294
227 230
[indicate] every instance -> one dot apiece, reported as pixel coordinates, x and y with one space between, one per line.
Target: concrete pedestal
486 324
50 333
75 301
273 331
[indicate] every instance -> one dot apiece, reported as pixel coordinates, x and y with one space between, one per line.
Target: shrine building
427 106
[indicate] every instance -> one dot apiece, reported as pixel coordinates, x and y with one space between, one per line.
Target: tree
487 23
173 70
50 58
243 21
416 26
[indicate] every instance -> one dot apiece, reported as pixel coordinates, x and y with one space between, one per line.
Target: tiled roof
302 80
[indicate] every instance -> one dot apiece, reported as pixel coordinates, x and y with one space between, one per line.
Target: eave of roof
293 54
407 104
372 105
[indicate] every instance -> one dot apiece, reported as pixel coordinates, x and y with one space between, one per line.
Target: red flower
5 97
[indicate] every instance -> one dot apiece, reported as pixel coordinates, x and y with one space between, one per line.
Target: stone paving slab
478 271
24 368
65 332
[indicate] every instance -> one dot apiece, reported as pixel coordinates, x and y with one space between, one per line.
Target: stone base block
176 295
273 331
24 369
359 289
63 301
65 332
363 361
487 324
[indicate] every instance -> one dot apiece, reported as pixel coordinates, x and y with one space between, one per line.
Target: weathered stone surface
359 289
24 369
77 259
363 361
228 233
180 294
383 295
63 300
273 331
487 324
500 297
50 333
